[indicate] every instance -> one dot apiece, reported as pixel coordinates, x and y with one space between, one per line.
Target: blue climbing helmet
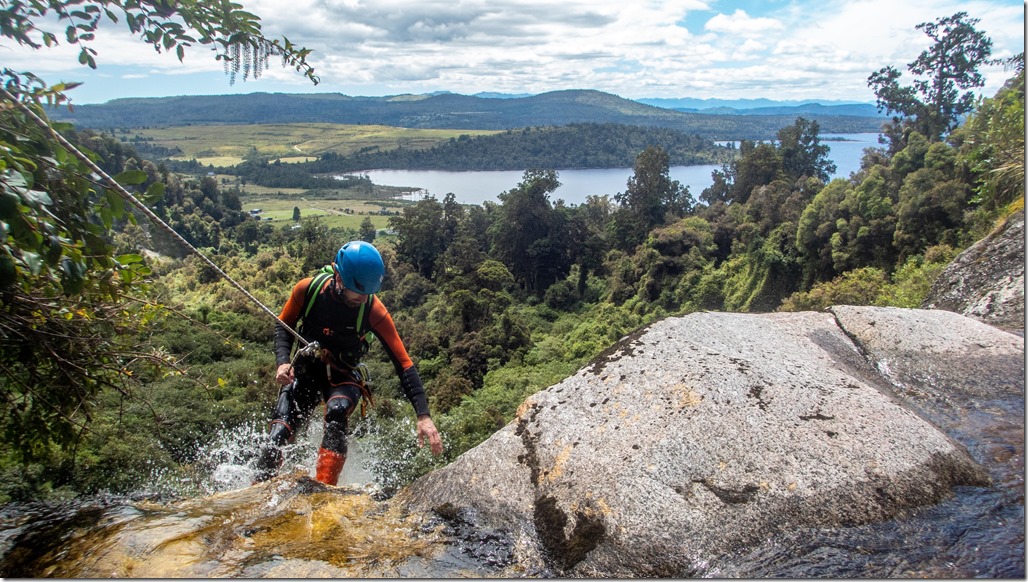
360 266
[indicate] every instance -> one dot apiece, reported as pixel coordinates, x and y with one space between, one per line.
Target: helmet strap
332 287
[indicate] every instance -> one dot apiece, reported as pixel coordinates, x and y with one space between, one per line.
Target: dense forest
589 145
123 356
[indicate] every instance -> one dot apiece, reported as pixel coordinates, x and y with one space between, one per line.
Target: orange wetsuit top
333 324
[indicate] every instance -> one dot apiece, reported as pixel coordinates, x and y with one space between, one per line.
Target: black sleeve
414 390
283 344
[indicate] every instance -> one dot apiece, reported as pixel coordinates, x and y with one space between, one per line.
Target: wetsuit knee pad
334 438
280 433
337 409
340 403
285 409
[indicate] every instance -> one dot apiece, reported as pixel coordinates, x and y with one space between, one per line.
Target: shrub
912 281
857 287
562 296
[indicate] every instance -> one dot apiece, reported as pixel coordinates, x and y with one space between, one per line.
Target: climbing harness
358 377
309 348
314 288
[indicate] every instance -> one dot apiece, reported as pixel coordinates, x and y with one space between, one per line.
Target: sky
783 50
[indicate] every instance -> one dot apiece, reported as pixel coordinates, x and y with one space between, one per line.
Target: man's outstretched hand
427 430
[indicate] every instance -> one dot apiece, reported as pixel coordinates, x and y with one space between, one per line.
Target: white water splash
229 460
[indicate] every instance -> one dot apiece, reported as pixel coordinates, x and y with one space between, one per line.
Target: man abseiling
337 310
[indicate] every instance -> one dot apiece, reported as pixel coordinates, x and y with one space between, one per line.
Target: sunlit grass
333 213
223 146
216 161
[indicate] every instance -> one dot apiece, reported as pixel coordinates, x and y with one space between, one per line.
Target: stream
294 527
977 533
219 525
290 527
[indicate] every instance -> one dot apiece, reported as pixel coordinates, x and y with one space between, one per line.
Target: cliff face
986 281
707 434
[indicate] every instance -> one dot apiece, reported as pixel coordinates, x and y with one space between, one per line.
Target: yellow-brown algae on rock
288 527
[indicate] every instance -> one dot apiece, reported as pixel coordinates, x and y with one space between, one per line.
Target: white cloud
802 49
749 49
741 23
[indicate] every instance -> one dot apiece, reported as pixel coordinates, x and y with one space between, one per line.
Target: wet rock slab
708 433
936 355
966 377
289 527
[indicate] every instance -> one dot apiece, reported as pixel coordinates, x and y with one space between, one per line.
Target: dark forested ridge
445 111
765 107
586 145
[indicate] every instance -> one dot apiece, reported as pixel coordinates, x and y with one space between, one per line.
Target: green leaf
54 250
24 234
62 156
116 203
64 125
33 261
154 193
130 258
37 198
71 276
131 177
243 15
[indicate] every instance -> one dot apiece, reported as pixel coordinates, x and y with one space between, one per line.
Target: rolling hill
443 111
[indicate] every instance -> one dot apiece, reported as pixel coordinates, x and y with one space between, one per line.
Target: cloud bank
676 48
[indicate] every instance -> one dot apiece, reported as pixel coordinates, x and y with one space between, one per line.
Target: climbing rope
308 347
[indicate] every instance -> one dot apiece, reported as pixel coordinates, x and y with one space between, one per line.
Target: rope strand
113 184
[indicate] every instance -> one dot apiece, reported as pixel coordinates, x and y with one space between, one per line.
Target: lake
476 187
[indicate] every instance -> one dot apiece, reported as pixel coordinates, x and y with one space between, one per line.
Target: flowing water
215 524
290 527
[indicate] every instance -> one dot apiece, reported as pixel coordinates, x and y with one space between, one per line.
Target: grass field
222 146
278 203
333 213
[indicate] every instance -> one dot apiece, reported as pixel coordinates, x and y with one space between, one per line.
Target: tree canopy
933 104
70 304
